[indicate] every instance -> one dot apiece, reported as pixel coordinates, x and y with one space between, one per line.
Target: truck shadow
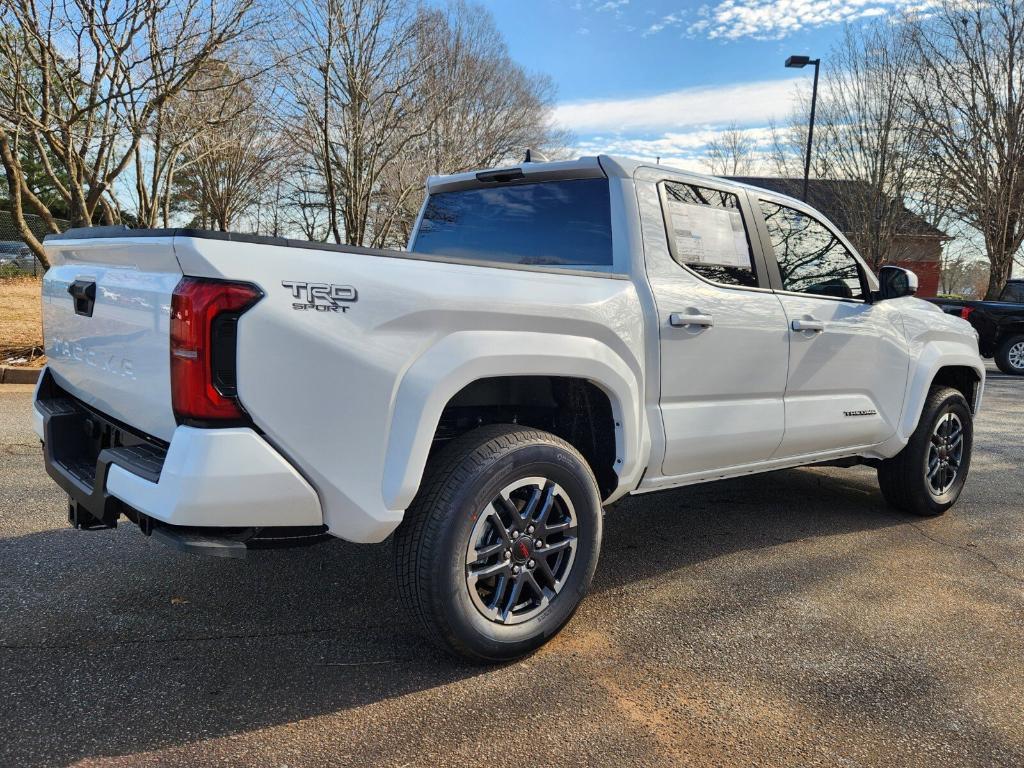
113 645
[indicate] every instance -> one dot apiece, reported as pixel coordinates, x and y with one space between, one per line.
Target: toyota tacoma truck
1000 325
556 336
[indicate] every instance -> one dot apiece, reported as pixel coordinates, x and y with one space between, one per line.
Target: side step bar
200 544
234 542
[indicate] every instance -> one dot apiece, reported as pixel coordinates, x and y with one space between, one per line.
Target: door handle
808 324
684 319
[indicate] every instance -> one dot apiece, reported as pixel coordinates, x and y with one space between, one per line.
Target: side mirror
895 282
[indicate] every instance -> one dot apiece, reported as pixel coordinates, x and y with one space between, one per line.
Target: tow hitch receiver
82 519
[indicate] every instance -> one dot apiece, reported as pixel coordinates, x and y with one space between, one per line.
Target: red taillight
197 379
965 312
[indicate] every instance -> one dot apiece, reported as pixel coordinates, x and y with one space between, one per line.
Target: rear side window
556 223
706 233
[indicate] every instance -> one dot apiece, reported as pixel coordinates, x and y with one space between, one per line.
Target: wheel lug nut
530 529
516 569
530 564
508 553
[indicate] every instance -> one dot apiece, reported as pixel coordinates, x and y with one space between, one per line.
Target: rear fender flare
462 358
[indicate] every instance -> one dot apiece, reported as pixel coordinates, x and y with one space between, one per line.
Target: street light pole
799 62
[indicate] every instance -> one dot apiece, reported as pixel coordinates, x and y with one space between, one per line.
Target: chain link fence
16 260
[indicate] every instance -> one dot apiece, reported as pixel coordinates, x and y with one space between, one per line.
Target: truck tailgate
110 346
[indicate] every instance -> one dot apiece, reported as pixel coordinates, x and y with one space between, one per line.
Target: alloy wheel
1015 355
945 453
521 550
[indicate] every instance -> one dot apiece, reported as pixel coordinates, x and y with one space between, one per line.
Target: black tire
1003 361
905 478
432 543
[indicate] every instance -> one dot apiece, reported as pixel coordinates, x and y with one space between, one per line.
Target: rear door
848 358
106 317
723 337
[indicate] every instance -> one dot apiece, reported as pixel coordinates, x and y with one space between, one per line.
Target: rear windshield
559 223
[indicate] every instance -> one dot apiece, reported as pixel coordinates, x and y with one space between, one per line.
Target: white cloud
678 150
611 5
774 19
752 103
665 22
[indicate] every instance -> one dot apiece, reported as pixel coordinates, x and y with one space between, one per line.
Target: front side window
706 233
811 258
559 223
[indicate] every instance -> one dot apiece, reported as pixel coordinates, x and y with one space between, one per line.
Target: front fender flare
464 357
935 355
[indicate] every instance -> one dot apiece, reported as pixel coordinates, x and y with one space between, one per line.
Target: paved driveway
786 619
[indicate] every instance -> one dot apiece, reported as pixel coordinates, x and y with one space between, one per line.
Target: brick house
918 243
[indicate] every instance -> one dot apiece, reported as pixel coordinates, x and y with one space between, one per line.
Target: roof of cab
580 168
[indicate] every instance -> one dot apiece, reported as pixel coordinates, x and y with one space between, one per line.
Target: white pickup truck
557 335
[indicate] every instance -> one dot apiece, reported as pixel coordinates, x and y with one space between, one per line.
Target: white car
556 336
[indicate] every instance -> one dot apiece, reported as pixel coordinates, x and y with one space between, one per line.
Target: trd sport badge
321 297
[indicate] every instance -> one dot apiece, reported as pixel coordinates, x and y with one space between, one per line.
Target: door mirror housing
895 282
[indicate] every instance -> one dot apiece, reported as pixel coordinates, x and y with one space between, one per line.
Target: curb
11 375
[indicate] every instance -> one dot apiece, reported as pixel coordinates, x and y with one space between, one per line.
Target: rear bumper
208 478
219 477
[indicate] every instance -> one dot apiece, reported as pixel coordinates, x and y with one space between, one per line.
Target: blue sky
660 77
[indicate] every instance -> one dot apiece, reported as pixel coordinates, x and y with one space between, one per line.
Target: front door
723 333
848 359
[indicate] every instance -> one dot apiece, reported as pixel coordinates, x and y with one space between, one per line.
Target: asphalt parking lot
786 619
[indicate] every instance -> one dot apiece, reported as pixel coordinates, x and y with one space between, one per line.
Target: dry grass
21 328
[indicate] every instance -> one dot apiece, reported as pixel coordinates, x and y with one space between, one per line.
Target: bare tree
968 99
867 138
963 273
479 109
354 78
205 113
388 93
731 153
229 148
103 70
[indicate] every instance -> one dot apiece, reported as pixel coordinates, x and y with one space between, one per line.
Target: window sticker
706 235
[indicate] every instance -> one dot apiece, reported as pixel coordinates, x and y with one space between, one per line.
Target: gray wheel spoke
531 506
531 582
545 572
489 570
494 520
499 592
558 546
507 507
483 553
546 505
568 525
513 598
